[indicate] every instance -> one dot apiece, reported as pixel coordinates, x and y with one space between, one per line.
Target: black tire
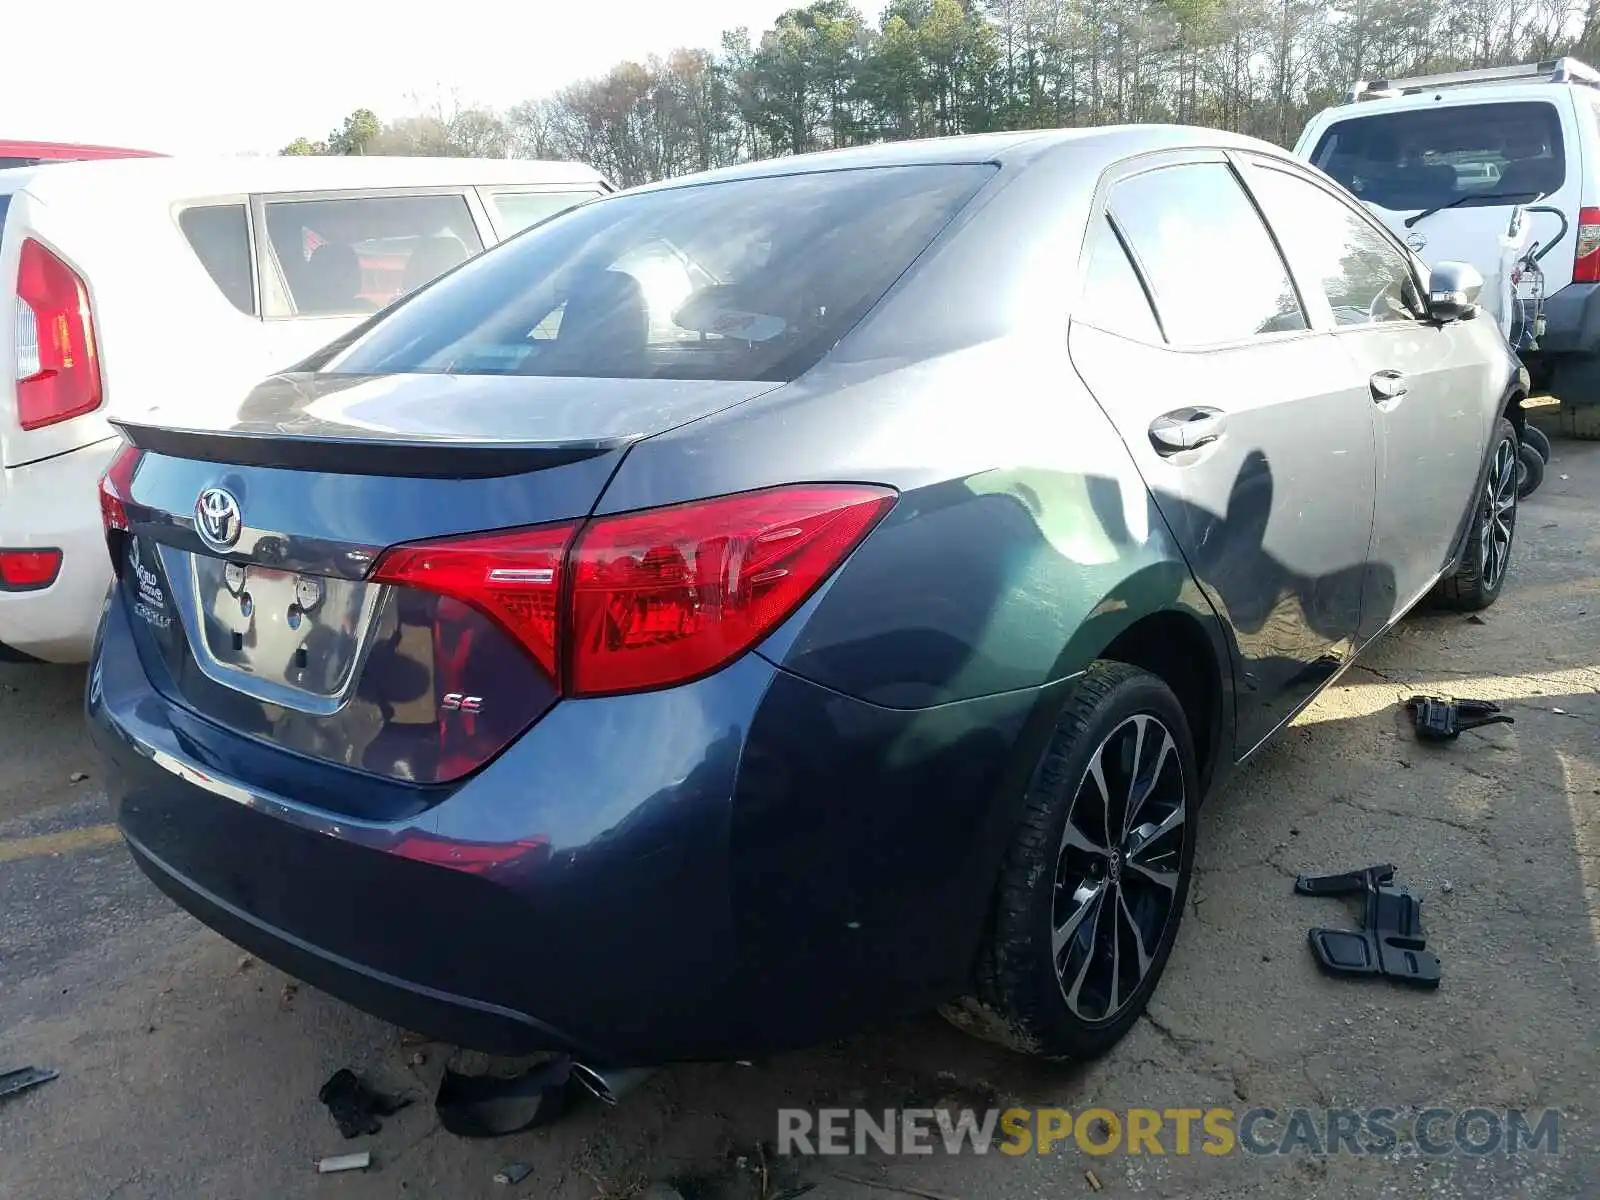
1530 470
1579 421
1533 436
1477 581
1049 885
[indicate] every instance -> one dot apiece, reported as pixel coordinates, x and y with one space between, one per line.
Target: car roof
1100 145
181 177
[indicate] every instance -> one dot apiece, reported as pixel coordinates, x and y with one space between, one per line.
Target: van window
1214 271
748 279
357 254
1461 155
1365 277
219 234
518 210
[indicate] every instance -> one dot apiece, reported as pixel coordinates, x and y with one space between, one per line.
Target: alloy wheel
1497 515
1117 870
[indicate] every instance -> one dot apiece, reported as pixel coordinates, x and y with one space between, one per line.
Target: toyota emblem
216 519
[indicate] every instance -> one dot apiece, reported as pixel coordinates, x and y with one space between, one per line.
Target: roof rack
1553 70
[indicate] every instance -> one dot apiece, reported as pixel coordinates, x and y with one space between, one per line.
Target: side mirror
1453 291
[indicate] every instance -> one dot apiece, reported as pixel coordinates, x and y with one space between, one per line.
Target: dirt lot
188 1070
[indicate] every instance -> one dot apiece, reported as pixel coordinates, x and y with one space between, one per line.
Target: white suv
1447 161
165 282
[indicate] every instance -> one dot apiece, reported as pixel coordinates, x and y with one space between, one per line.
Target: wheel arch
1175 646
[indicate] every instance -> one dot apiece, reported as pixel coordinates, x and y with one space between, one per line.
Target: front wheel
1093 888
1477 581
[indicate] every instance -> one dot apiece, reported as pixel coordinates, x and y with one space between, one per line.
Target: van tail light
649 599
28 570
58 365
116 488
1586 264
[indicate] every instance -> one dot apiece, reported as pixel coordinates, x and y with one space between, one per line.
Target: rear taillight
28 570
513 578
116 488
650 599
58 367
1586 263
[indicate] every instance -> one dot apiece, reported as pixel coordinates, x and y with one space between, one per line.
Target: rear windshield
1461 155
750 279
7 163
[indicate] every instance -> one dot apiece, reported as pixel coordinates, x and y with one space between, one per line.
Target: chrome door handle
1389 385
1187 429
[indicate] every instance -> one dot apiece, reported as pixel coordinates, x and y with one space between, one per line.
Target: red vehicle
27 154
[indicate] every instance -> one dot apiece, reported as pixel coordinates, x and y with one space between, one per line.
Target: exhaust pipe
608 1085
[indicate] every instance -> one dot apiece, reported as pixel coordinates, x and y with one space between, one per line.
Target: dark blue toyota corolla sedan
746 607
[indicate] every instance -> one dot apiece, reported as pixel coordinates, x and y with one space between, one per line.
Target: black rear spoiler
420 458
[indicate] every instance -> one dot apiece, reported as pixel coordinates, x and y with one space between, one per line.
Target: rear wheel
1477 581
1093 888
1530 470
1533 436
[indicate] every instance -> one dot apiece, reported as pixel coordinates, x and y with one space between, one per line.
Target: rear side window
1461 155
1365 277
219 235
518 210
1113 299
750 279
356 254
1214 271
5 203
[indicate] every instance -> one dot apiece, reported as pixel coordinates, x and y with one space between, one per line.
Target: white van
135 283
1447 160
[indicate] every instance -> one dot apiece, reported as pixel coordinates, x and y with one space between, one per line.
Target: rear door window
356 254
744 279
219 234
518 210
1365 277
1214 271
1461 155
1113 299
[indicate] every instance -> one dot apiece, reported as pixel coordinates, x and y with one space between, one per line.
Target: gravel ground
188 1070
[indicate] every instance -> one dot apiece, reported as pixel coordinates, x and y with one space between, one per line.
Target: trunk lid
250 543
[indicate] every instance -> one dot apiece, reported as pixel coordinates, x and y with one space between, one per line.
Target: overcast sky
198 76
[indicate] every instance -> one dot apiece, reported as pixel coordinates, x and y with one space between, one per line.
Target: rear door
329 260
1250 426
1425 381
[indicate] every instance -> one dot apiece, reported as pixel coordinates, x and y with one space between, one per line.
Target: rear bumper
742 865
55 504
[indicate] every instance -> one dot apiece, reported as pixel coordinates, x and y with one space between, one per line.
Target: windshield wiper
1467 199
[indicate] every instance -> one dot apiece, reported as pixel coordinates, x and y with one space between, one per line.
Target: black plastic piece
20 1080
1390 942
487 1106
354 1106
1444 718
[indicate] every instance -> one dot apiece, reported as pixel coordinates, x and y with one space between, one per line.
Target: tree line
825 76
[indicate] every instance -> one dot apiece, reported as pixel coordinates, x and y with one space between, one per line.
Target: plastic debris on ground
1390 942
20 1080
345 1162
515 1173
354 1106
487 1106
1445 718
